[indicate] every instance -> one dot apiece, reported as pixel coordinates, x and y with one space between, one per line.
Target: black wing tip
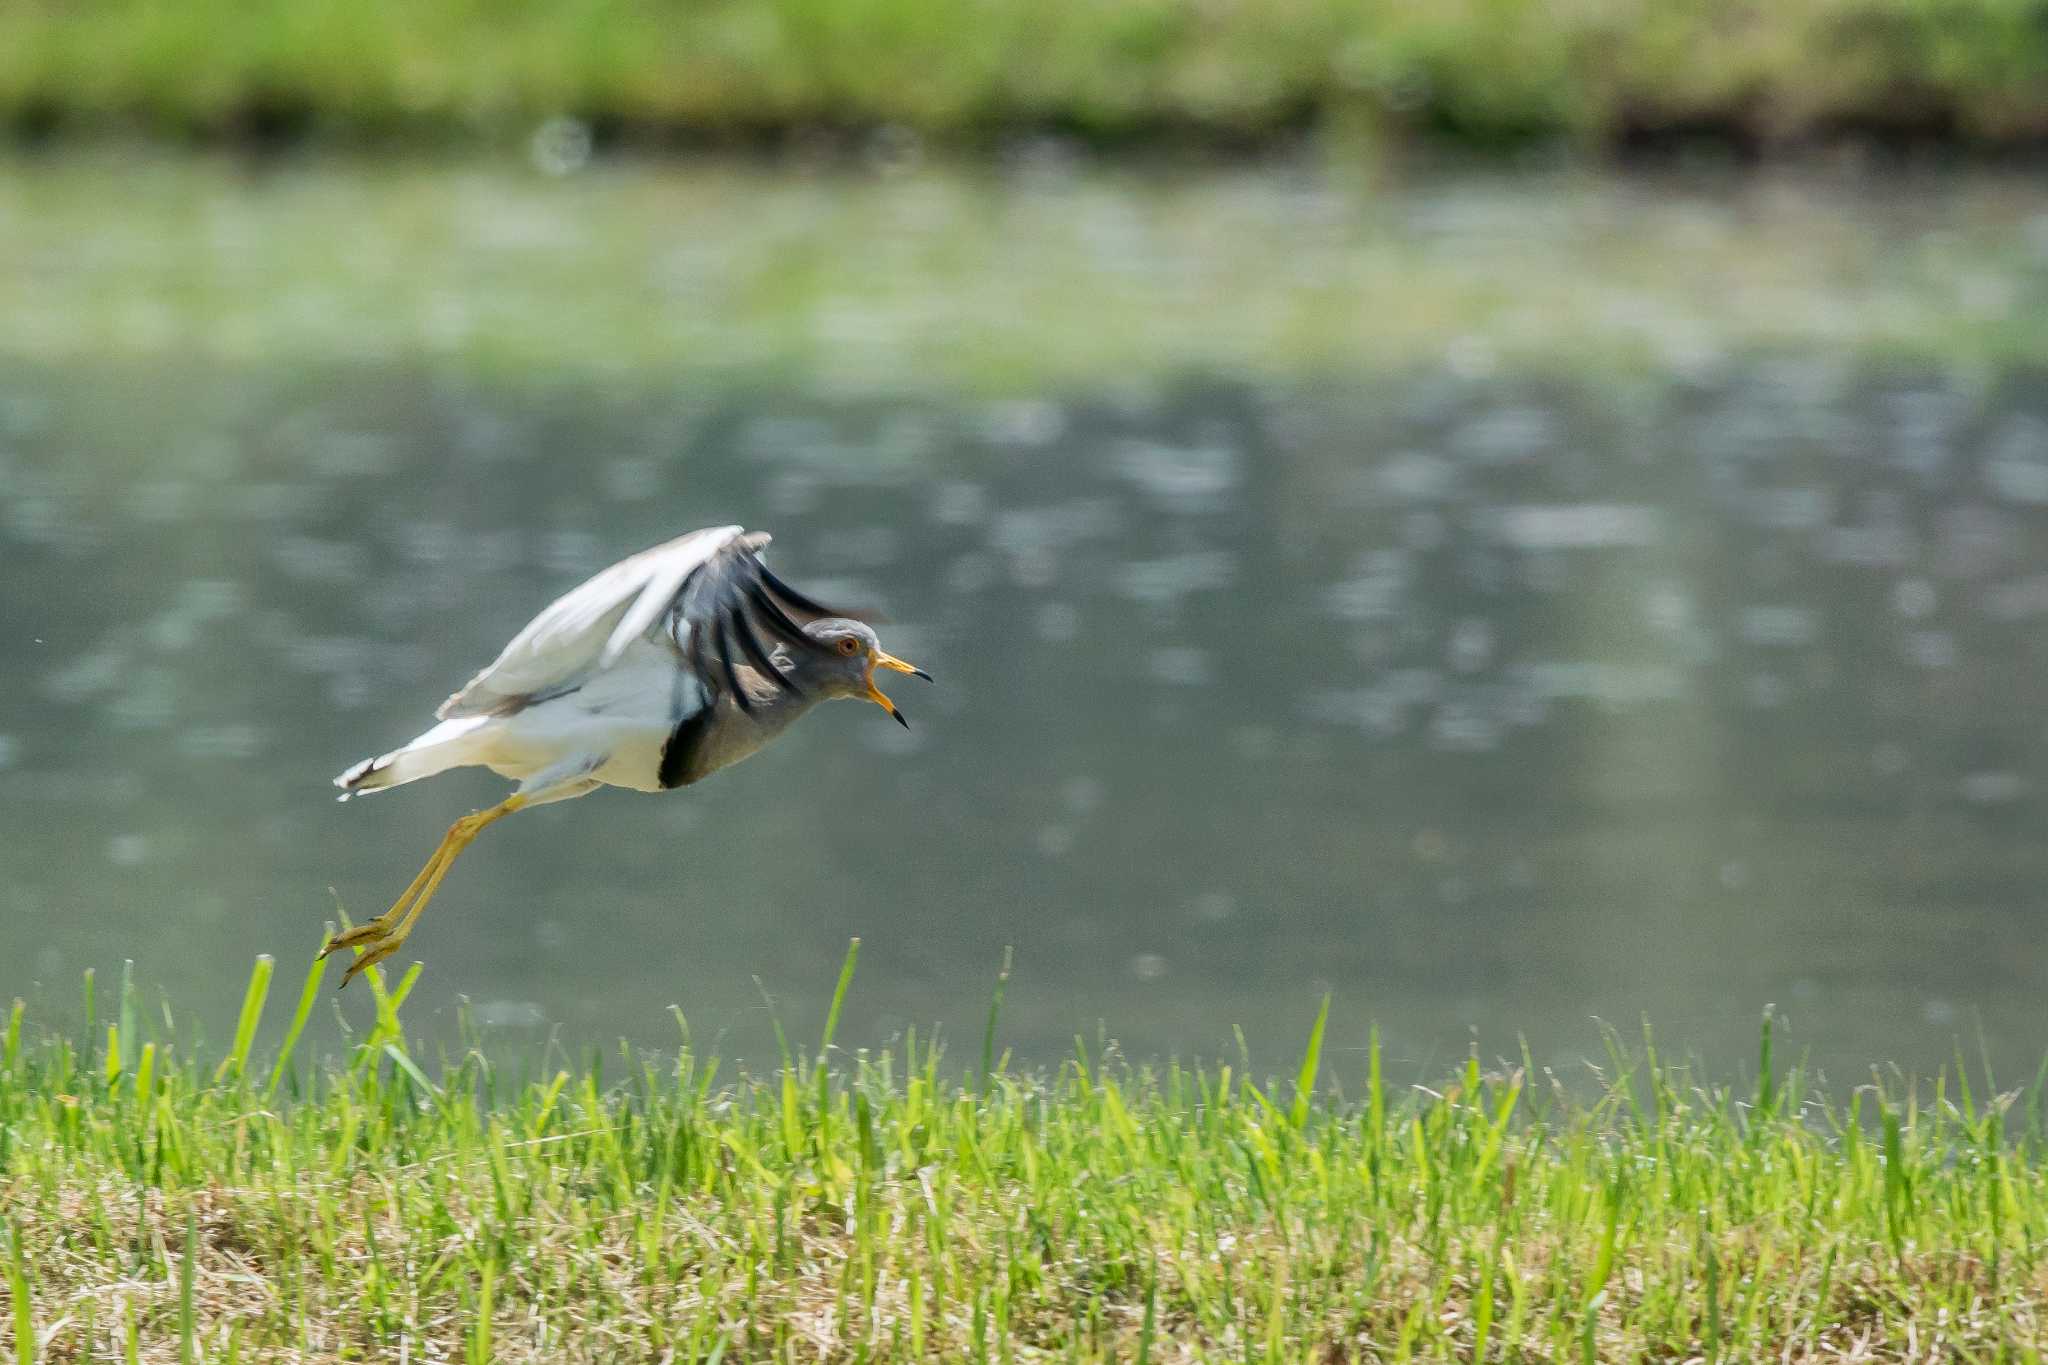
867 616
790 595
725 663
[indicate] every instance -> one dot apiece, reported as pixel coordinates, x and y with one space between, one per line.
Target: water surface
1492 695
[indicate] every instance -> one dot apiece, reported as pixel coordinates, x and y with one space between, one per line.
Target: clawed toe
370 957
374 941
367 932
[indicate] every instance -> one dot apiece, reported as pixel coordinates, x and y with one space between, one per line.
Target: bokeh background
1514 515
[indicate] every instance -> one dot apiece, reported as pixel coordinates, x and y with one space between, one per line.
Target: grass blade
427 1089
130 1030
839 997
988 1033
188 1342
245 1026
1311 1061
308 993
17 1289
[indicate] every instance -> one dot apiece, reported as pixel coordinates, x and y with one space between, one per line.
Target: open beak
882 659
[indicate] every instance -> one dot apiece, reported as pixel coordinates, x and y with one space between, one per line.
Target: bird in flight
652 675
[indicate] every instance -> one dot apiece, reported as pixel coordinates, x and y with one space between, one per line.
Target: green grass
1485 71
157 1205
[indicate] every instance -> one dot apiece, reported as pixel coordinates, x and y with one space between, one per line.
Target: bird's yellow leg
381 937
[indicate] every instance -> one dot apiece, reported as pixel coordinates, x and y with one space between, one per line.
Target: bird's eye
848 645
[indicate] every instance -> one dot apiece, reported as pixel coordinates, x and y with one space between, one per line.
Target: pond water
1680 660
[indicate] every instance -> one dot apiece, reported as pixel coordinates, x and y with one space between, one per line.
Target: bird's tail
451 744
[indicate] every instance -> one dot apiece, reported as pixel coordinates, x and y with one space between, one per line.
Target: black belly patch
679 750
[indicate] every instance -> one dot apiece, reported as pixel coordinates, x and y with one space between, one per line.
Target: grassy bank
1484 71
902 1206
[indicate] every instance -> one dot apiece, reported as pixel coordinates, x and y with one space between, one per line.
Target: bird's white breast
619 717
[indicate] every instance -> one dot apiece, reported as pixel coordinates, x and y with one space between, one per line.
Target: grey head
845 661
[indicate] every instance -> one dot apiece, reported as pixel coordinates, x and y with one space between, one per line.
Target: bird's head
851 656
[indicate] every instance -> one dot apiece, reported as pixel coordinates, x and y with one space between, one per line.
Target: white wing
588 627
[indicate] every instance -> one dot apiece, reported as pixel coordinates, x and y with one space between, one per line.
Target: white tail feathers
364 777
448 745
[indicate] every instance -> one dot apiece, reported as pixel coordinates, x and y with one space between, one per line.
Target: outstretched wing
731 617
708 590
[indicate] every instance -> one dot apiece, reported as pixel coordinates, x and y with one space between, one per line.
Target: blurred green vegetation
1597 72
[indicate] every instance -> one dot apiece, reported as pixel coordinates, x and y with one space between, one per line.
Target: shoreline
1718 145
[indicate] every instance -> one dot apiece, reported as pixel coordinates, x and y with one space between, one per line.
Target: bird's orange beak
884 659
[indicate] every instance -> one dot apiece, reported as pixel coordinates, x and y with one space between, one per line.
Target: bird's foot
375 940
379 938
